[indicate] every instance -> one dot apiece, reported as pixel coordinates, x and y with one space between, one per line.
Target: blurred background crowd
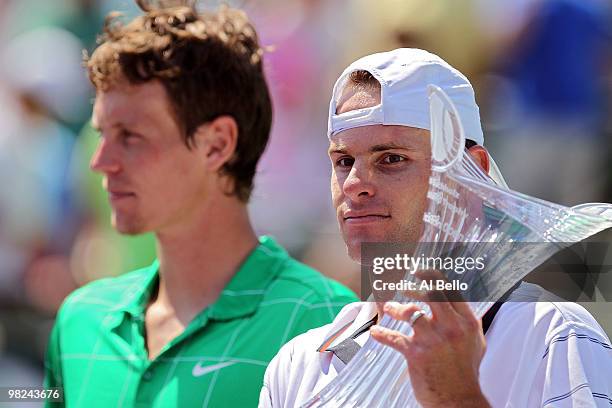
542 70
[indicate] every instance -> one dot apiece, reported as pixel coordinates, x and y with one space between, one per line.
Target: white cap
404 75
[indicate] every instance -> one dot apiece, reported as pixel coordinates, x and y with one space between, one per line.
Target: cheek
177 178
336 189
408 196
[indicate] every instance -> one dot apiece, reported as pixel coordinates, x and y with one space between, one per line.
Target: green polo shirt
97 349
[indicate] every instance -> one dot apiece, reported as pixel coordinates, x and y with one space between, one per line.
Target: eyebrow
387 146
342 149
96 126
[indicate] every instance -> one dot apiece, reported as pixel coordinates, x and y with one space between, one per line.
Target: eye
345 162
393 158
128 137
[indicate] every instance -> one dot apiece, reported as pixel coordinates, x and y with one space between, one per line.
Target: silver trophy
467 214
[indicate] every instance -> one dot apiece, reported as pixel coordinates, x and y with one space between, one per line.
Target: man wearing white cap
537 353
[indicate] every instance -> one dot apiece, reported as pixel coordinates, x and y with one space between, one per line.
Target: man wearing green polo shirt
184 114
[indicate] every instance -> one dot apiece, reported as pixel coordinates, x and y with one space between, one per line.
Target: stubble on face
128 224
144 155
398 190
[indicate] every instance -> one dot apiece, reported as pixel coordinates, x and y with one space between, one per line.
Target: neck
198 259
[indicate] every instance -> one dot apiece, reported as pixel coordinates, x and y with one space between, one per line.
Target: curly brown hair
210 64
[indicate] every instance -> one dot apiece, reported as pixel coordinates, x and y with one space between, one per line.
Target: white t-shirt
539 354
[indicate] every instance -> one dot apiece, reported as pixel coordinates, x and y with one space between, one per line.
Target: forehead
130 104
370 138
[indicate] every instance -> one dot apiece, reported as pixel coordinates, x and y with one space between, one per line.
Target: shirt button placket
145 393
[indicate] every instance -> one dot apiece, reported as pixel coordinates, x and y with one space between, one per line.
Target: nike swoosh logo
199 370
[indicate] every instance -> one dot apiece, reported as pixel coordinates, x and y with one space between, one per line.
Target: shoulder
302 349
298 278
538 326
552 351
300 298
294 371
533 310
104 295
298 368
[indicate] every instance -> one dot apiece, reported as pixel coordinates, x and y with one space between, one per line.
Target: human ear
480 156
217 141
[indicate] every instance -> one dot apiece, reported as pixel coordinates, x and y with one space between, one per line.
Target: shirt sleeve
274 390
576 369
53 368
265 395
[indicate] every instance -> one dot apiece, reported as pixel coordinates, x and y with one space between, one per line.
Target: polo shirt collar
138 295
350 318
242 295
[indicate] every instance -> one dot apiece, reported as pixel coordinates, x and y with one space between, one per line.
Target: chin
128 227
353 243
353 248
354 253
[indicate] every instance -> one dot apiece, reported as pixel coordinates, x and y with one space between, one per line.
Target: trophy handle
447 134
598 209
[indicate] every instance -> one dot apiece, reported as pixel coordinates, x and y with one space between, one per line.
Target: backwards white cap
404 75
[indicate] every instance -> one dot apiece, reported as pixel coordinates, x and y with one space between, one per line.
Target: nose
104 159
358 185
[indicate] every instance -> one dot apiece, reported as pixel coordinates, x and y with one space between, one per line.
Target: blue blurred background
542 70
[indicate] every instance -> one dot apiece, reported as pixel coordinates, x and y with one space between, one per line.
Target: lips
360 217
115 195
116 190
